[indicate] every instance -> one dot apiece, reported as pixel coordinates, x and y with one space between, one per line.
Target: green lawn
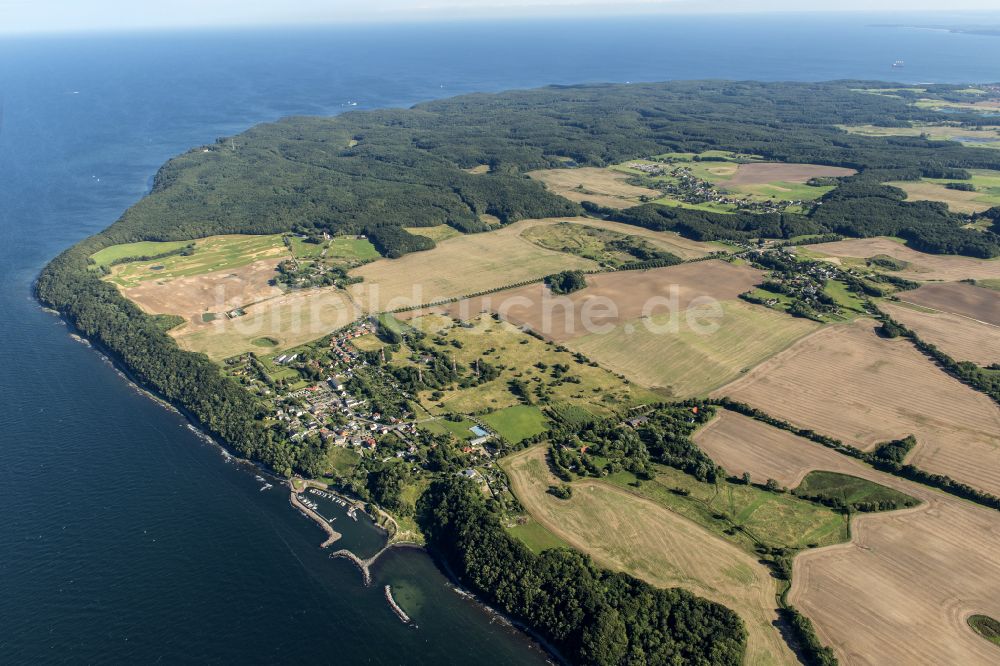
517 423
214 253
851 490
536 537
341 461
349 250
460 429
848 301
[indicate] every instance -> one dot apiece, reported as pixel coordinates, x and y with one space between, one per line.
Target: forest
590 615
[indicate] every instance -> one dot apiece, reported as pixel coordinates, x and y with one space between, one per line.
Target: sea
126 536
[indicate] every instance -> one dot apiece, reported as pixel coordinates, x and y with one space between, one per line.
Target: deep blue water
128 539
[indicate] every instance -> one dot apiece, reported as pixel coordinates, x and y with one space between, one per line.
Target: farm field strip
290 320
976 303
894 391
458 266
686 363
601 186
962 338
612 298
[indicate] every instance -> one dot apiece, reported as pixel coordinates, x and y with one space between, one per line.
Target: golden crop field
459 266
602 186
962 338
977 303
846 382
685 362
284 322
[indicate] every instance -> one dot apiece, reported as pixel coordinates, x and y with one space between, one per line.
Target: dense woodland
591 615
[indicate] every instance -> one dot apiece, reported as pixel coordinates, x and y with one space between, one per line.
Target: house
479 432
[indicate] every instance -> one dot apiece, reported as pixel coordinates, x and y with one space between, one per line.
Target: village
313 394
679 182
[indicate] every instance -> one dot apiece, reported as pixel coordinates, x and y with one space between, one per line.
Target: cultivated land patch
672 242
901 590
629 533
215 292
958 298
458 266
289 320
613 298
762 173
436 233
741 444
960 337
212 254
846 382
922 266
686 362
985 196
602 186
986 137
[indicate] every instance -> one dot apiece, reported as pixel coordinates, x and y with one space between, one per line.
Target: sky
33 16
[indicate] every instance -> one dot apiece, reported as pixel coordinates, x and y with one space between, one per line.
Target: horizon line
438 19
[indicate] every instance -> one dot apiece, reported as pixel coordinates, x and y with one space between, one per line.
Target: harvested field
962 338
290 320
613 298
629 533
609 246
957 200
741 444
762 173
901 590
682 362
962 299
462 265
846 382
665 240
602 186
922 266
216 292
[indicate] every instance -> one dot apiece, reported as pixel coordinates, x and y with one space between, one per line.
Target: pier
332 535
400 613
